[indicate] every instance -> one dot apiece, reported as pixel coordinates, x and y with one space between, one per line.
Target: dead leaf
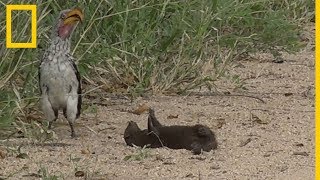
22 156
85 151
129 80
141 109
120 90
2 154
256 119
172 116
106 87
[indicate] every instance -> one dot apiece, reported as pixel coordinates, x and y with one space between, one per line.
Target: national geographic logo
33 9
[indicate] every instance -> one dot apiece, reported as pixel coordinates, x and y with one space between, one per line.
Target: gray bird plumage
59 78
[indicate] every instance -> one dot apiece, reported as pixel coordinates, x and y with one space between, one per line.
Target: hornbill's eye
63 16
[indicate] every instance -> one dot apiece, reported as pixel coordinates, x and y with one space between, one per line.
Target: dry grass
137 47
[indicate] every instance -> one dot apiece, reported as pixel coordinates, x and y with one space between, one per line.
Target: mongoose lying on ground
194 138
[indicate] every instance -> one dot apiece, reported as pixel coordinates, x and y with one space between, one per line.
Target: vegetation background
135 48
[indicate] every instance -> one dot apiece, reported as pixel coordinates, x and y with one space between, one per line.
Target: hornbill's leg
50 113
71 111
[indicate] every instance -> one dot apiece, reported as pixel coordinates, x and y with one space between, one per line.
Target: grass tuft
138 47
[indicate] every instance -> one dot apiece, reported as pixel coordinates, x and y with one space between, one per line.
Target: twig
216 94
157 137
249 96
91 129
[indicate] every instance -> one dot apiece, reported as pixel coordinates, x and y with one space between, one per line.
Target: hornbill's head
67 22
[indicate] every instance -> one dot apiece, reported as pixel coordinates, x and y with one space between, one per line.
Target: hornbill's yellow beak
73 16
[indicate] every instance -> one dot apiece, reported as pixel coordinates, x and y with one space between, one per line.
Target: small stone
159 157
215 167
288 94
244 142
220 123
283 168
190 175
267 155
299 144
79 174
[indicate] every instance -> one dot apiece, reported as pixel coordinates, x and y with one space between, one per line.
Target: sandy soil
266 133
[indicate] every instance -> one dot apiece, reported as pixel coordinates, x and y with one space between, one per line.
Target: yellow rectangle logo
33 9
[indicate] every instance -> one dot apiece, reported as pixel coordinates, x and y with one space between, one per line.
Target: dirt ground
265 133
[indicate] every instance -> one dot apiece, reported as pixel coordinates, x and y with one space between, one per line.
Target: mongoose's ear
131 128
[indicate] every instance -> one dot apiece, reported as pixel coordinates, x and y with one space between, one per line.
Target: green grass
135 47
140 154
44 173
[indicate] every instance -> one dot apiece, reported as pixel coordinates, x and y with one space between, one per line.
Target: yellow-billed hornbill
59 78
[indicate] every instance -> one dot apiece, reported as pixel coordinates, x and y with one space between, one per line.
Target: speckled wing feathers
79 87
